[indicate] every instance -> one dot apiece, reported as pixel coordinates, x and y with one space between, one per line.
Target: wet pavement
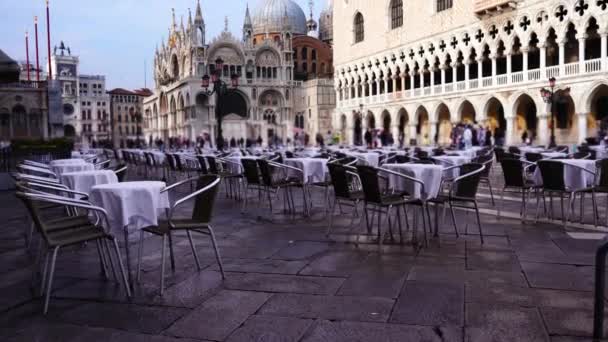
287 281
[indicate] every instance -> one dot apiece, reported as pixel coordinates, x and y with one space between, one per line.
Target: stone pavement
287 281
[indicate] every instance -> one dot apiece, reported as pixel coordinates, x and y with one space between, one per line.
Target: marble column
510 138
562 58
432 131
581 53
432 70
582 126
603 50
412 85
543 61
412 134
542 128
525 62
442 68
466 74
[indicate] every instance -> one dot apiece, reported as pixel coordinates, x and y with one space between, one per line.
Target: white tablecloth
531 149
429 174
65 168
73 161
134 205
574 177
372 159
314 169
470 153
83 181
449 161
600 151
554 155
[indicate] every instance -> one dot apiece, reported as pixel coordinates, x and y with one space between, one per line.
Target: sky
115 38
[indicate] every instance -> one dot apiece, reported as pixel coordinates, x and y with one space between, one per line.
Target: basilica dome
269 17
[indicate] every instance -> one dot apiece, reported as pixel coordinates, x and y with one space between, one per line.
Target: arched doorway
370 120
444 125
69 131
403 119
466 113
496 117
525 118
358 127
598 111
386 128
422 126
565 131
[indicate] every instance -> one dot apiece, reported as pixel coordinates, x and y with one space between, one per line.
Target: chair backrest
401 159
581 155
266 171
34 211
426 160
370 183
533 157
552 173
202 162
514 150
171 161
500 153
602 172
438 152
513 172
466 185
250 169
212 165
339 180
421 154
288 154
121 172
486 160
203 204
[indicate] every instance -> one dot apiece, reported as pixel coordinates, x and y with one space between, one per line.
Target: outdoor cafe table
574 177
130 206
84 181
72 161
429 174
314 169
554 155
600 151
449 161
74 167
371 158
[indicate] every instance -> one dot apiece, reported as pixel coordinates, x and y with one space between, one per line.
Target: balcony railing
503 80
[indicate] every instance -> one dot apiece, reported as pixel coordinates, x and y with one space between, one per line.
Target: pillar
421 75
466 74
394 84
543 60
412 134
454 74
395 133
442 68
403 75
432 131
581 53
525 63
582 126
432 70
412 86
542 129
494 71
604 49
510 137
561 57
509 66
479 69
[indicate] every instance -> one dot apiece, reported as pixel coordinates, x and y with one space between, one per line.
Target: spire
173 24
189 19
311 24
198 18
181 25
226 24
247 18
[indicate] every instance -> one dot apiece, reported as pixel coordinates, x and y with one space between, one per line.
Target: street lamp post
550 97
220 89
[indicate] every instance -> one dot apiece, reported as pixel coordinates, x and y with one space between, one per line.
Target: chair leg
102 262
453 215
379 228
162 265
139 254
400 226
217 252
502 202
44 272
49 287
571 198
110 261
390 225
424 226
491 192
171 253
198 264
478 222
125 280
595 211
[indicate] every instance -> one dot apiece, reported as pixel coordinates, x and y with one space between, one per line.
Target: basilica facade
415 68
269 102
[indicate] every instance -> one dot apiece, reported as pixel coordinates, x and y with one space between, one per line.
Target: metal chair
345 191
200 222
515 179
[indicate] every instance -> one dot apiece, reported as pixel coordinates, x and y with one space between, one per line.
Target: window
396 14
304 53
359 30
443 5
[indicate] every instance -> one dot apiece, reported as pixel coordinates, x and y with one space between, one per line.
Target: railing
502 79
426 90
449 87
571 69
534 75
486 81
474 84
460 85
517 77
552 71
593 65
437 89
24 85
417 92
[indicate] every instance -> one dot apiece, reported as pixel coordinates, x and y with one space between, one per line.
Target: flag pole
48 38
37 59
27 55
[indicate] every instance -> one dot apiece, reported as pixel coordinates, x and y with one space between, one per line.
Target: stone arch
495 115
386 120
69 131
565 114
444 124
235 102
525 114
423 128
466 112
402 120
370 120
357 129
596 107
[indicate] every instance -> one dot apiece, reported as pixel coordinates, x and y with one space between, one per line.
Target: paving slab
501 322
271 329
345 308
284 283
217 317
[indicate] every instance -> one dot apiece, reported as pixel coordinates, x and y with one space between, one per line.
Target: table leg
128 252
